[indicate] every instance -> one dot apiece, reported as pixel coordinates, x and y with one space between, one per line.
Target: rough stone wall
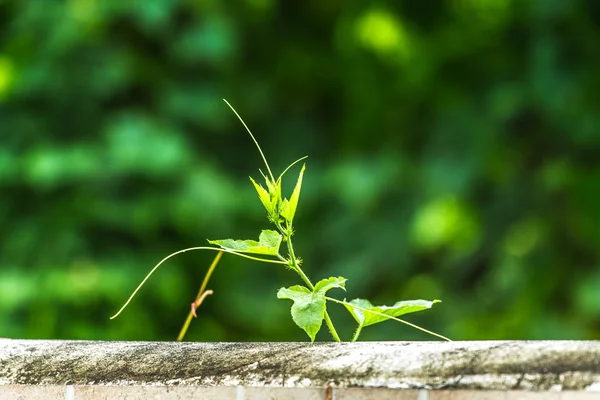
378 370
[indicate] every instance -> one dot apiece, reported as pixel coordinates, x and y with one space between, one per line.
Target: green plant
309 308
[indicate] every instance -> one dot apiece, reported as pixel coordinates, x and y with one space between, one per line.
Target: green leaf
271 239
274 189
331 283
268 244
263 195
400 308
284 209
290 209
308 309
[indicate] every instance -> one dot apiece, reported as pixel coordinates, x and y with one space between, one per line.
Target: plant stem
332 330
295 262
201 295
357 333
297 268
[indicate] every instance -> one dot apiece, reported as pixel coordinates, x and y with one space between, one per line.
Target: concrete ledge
368 370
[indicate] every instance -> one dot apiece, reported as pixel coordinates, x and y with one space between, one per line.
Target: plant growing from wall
309 301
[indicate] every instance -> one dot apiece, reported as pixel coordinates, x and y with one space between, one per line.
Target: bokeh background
453 154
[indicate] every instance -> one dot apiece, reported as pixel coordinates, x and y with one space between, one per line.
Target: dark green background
453 153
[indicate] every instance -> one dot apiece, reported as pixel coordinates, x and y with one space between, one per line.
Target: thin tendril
183 251
252 136
290 166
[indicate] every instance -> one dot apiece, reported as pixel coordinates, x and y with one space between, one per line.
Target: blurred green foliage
453 153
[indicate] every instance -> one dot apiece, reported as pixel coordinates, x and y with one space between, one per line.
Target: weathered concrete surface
24 392
551 366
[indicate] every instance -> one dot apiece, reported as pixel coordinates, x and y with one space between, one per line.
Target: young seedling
309 307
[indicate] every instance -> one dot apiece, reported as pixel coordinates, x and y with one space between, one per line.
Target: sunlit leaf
308 309
263 195
331 283
268 244
270 238
365 318
284 209
290 209
274 189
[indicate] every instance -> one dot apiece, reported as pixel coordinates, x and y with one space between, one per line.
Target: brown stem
202 293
